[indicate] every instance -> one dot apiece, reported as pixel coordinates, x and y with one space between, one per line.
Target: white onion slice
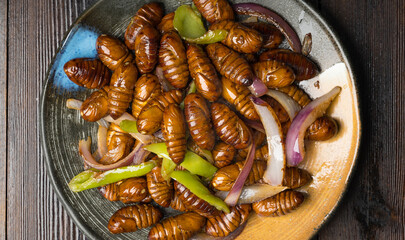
289 104
84 151
102 140
254 193
75 104
276 163
296 133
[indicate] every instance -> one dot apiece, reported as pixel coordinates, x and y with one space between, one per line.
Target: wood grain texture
3 116
372 32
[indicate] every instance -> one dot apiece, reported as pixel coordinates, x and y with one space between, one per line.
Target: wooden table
372 32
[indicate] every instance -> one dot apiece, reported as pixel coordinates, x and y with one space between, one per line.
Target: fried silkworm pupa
262 153
150 13
240 38
239 97
146 88
223 154
166 25
297 94
173 59
112 52
95 107
250 57
204 73
272 37
295 177
230 64
121 89
274 74
147 48
160 190
225 223
259 138
303 67
177 204
130 190
174 132
86 72
119 144
225 177
198 119
182 226
324 128
281 113
229 127
132 218
214 10
194 203
151 116
278 205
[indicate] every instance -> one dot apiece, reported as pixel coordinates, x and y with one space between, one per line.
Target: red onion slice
296 132
233 196
289 104
274 173
257 125
102 141
254 193
84 151
140 157
256 10
258 88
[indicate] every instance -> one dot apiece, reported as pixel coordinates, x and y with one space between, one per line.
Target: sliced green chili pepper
188 23
168 167
194 184
129 126
212 36
94 178
192 162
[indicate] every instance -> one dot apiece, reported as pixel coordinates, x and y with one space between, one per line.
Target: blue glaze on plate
81 43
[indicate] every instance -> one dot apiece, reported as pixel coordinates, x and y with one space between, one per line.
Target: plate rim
88 231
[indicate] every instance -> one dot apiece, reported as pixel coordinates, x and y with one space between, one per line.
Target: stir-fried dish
201 113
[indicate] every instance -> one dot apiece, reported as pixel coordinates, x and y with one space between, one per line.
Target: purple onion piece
258 88
295 136
256 10
233 196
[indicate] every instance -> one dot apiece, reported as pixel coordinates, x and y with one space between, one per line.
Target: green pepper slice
192 182
188 23
129 126
94 178
192 162
212 36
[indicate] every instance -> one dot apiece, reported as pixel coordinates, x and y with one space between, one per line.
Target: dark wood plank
373 34
3 116
36 29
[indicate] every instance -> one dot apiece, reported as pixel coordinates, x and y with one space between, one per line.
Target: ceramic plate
331 162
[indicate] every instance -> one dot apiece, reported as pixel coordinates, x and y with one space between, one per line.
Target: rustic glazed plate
331 162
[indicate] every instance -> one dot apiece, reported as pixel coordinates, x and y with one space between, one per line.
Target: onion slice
254 193
257 125
233 196
140 156
258 88
102 140
84 151
276 163
289 104
296 133
256 10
